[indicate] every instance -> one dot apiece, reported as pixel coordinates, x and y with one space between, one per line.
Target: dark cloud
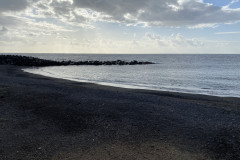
12 5
160 12
62 8
3 30
115 8
131 12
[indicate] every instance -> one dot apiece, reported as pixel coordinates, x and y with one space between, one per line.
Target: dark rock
31 61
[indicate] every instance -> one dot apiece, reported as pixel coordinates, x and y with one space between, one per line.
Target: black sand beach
47 118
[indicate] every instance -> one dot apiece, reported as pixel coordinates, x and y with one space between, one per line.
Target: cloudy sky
120 26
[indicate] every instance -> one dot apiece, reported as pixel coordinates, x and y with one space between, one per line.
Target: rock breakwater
32 61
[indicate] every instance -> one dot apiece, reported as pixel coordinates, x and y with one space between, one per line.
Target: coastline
48 118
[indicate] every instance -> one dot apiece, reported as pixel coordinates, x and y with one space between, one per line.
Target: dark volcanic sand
47 118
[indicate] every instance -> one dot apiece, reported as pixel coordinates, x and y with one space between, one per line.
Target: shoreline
127 86
49 118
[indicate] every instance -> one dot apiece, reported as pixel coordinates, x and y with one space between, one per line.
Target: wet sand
47 118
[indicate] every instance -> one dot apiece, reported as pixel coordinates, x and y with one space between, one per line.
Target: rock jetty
32 61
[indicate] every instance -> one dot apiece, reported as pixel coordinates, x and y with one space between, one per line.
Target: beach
48 118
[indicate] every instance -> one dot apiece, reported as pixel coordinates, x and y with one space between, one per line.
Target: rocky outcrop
32 61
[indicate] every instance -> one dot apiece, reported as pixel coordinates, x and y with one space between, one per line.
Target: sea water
217 75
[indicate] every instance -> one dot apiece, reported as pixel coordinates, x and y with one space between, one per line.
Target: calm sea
217 75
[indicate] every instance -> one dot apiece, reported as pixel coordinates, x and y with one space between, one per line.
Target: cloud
13 5
3 30
160 13
59 11
174 40
84 13
191 13
227 32
24 21
228 6
9 20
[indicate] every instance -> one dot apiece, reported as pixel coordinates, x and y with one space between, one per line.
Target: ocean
206 74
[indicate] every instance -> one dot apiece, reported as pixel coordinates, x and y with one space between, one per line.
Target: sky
120 26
